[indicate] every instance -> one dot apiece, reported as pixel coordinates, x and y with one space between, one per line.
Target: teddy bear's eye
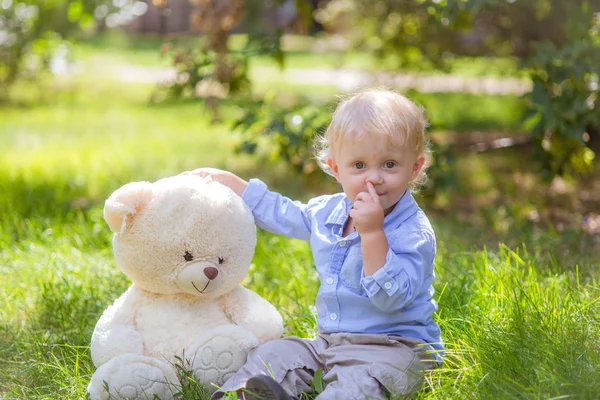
221 260
188 256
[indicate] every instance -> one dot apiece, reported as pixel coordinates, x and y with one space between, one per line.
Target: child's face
376 159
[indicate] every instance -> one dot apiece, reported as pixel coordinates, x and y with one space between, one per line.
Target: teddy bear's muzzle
199 277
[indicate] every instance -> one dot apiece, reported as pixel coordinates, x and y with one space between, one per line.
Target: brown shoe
263 387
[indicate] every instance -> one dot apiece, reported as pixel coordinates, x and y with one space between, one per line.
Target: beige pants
355 366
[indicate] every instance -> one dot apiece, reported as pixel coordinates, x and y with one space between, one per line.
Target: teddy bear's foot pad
134 377
219 358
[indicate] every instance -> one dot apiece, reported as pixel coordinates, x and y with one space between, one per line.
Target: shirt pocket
352 270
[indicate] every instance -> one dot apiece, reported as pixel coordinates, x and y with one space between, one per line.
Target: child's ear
417 167
333 166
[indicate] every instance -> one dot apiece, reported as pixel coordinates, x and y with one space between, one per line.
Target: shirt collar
406 207
340 212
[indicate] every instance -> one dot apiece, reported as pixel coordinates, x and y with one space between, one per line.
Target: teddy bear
186 243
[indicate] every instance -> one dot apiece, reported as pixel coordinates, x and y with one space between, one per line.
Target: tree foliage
213 69
32 30
564 105
557 42
287 132
413 33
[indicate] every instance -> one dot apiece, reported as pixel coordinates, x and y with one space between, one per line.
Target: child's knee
398 382
265 351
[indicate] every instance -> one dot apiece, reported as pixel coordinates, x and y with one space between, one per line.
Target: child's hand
234 182
367 212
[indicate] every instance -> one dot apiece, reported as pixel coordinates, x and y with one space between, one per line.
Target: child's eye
359 165
390 164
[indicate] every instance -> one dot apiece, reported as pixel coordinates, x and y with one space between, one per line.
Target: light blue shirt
395 300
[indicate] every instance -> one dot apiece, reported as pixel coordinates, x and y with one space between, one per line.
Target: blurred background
510 88
98 93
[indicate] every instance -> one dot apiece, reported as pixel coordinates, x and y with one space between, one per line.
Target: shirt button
387 285
329 281
333 316
342 243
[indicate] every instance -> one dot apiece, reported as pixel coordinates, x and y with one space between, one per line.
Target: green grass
519 322
515 330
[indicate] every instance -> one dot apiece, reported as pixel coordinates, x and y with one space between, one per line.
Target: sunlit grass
515 330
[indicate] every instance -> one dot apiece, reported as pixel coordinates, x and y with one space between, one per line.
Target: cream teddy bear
186 243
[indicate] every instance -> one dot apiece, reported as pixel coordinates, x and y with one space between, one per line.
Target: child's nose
375 178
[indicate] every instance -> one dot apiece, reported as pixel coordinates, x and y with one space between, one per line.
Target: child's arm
272 211
394 273
367 215
407 273
231 180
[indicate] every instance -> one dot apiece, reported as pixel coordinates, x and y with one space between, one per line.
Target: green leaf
75 11
317 382
540 95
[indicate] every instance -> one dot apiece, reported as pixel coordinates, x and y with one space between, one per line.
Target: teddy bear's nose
211 272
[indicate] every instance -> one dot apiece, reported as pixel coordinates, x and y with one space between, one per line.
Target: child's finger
360 197
372 191
201 172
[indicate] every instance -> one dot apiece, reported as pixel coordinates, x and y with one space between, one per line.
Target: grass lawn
519 322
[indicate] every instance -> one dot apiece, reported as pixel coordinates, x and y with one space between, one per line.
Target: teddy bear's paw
219 358
134 377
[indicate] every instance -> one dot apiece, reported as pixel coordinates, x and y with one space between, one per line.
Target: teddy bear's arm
248 309
115 333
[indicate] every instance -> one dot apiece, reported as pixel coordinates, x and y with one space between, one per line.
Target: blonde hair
377 111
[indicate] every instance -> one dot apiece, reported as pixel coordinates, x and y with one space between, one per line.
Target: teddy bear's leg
216 359
133 376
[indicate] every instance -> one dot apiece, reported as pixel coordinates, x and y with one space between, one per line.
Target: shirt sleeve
407 272
276 213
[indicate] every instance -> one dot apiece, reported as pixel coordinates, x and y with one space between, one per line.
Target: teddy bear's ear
125 202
